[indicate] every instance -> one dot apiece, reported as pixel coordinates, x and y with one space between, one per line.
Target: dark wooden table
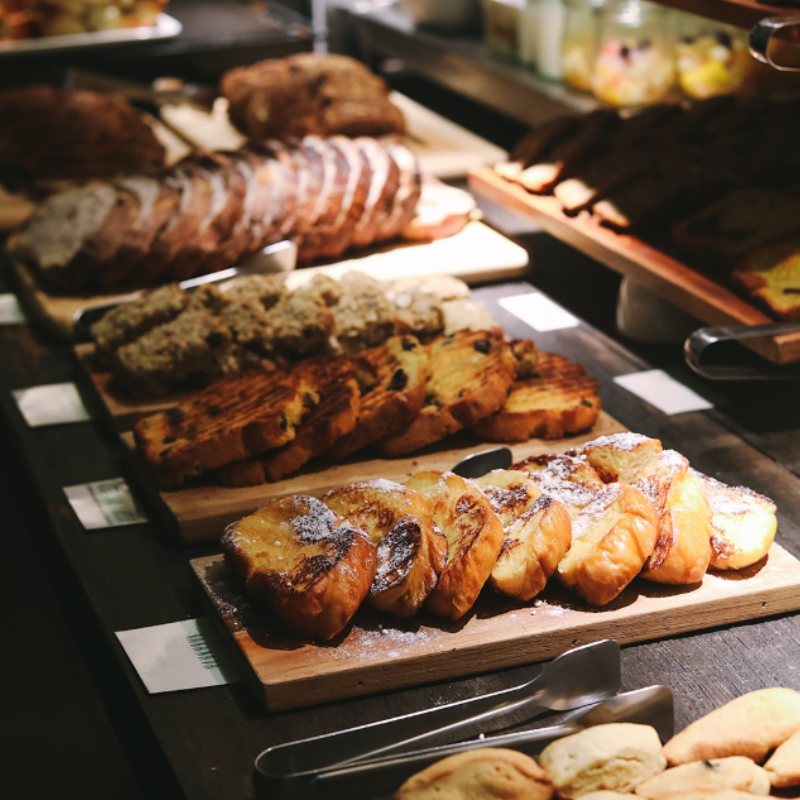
201 743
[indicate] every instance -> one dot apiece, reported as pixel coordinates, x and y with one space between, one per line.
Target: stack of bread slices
596 518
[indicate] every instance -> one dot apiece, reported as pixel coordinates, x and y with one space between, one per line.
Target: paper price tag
11 312
104 504
52 404
179 655
662 391
539 311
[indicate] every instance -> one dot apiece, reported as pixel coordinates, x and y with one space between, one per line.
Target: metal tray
166 27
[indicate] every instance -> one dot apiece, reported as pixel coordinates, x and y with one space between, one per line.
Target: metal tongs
701 341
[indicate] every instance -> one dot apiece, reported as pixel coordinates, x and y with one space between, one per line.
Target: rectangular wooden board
378 653
676 281
476 254
203 511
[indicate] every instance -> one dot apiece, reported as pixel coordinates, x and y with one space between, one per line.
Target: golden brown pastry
736 773
619 456
783 766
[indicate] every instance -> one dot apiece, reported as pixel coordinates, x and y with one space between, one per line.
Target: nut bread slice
238 417
474 536
307 564
471 374
411 550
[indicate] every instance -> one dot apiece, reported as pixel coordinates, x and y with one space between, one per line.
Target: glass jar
634 65
528 33
580 42
551 33
500 25
711 58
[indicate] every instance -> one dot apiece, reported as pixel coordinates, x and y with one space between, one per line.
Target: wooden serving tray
679 283
202 511
476 254
378 653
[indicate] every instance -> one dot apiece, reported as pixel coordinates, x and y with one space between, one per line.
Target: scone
750 726
483 774
683 547
616 757
474 536
570 479
305 562
783 766
612 538
411 551
743 524
737 773
619 456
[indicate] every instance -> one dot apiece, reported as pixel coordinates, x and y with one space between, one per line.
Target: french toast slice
619 456
331 418
510 492
471 373
236 418
474 537
558 399
743 524
392 380
612 538
411 550
683 546
312 568
569 478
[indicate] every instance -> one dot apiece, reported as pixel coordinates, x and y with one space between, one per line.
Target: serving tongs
698 345
373 777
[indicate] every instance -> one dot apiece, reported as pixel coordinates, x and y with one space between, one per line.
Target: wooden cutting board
666 275
378 653
476 254
201 512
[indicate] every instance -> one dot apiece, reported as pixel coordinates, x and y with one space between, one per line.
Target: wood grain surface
677 282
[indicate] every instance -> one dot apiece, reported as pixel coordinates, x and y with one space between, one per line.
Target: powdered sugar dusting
626 441
317 524
732 500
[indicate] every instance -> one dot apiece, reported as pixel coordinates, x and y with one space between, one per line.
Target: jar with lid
501 25
541 26
635 63
711 58
580 42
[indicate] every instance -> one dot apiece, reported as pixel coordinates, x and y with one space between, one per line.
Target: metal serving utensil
477 465
278 257
375 777
577 678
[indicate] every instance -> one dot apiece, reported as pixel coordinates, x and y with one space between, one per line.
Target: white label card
539 311
52 404
179 655
104 504
11 312
662 391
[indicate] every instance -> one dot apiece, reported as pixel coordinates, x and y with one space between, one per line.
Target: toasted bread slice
298 556
474 536
392 380
412 551
743 524
683 547
619 456
771 276
559 399
612 538
471 373
238 417
570 479
510 492
331 418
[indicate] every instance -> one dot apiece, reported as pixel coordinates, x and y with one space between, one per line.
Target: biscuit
616 757
483 774
737 773
750 725
783 766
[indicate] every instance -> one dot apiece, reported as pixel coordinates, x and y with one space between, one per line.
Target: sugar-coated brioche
569 478
619 456
510 492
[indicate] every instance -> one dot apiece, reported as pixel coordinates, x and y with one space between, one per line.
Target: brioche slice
331 418
392 379
510 492
474 536
771 276
559 399
411 551
305 562
619 456
683 547
570 479
471 373
743 524
236 418
612 538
